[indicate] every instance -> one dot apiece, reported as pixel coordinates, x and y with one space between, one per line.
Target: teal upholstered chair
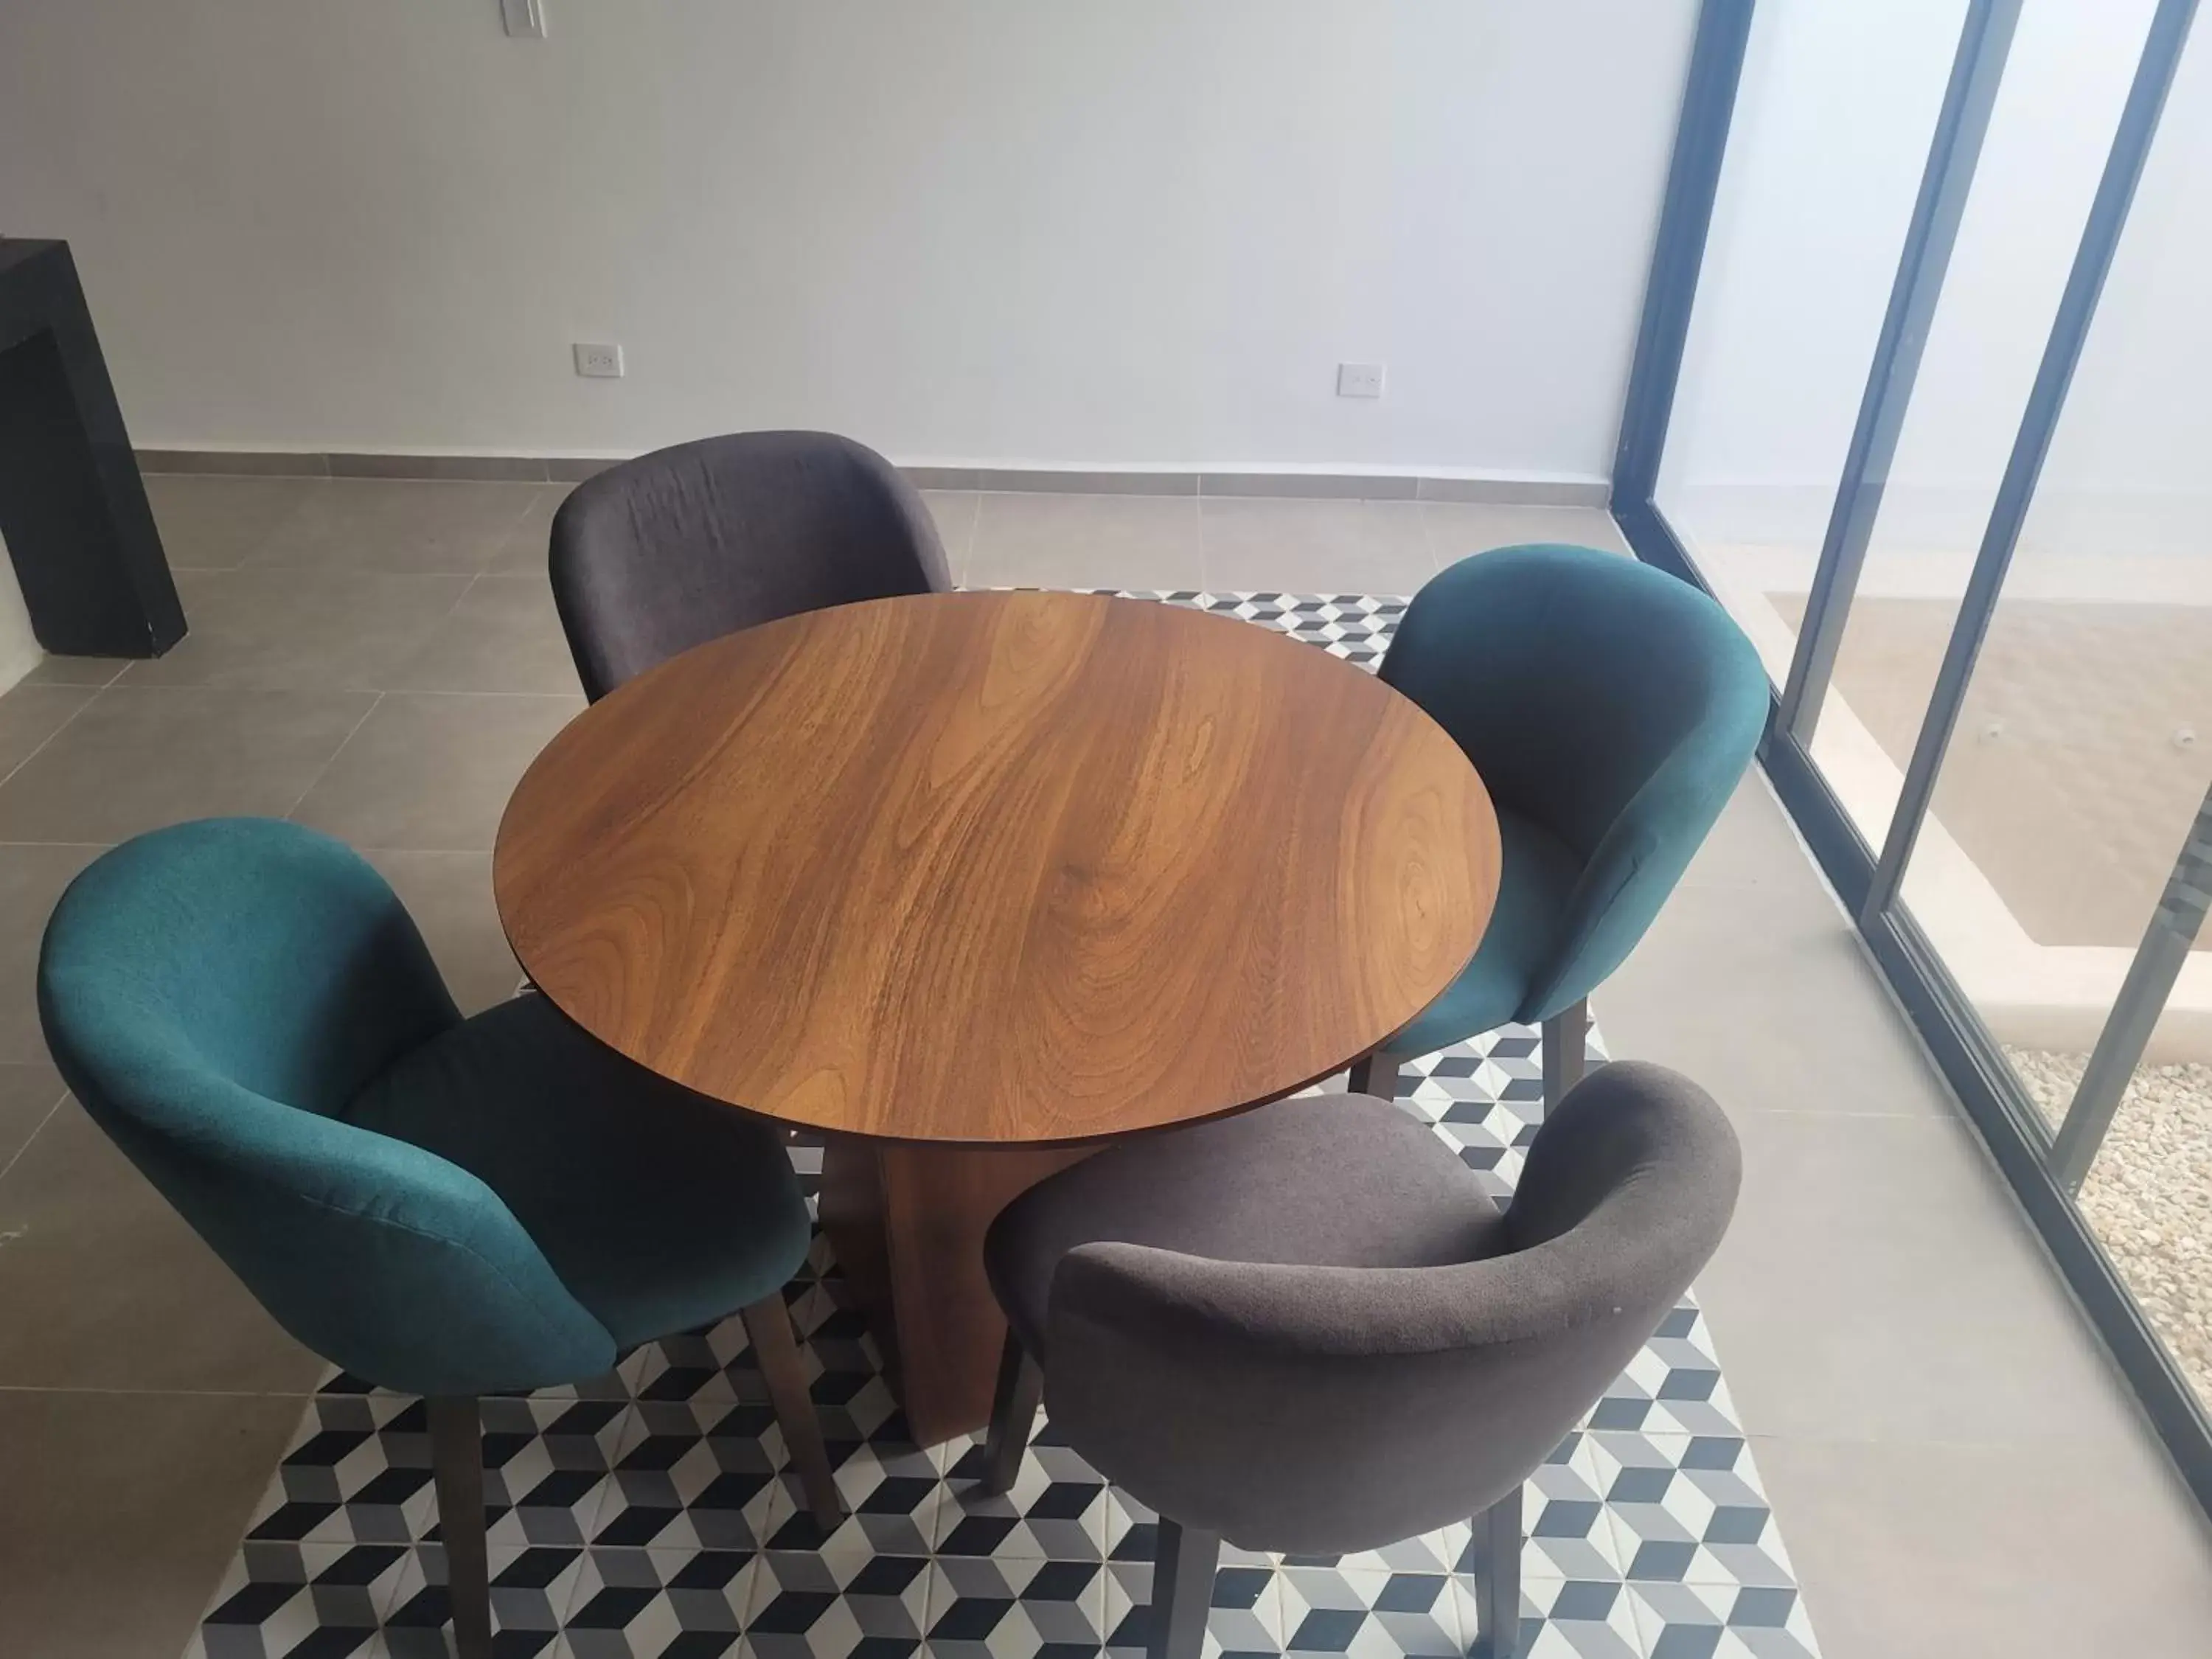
444 1207
1611 710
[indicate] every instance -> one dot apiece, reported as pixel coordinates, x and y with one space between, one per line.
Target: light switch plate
1360 380
598 362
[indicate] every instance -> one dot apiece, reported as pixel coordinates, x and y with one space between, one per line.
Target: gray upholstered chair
683 545
1307 1330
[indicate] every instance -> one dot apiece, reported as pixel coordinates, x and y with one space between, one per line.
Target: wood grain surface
990 868
907 1222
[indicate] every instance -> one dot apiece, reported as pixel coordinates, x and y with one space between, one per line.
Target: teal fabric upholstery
658 1209
246 1007
1611 709
1535 885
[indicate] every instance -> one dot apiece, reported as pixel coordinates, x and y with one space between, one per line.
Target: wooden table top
998 867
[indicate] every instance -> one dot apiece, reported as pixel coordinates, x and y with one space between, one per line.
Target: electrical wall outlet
1360 380
598 363
526 18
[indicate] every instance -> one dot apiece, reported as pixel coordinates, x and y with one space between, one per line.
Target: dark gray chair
1307 1330
683 545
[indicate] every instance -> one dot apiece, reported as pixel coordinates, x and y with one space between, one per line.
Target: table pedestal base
906 1222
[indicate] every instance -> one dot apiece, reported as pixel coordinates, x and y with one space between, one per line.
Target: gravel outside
2148 1195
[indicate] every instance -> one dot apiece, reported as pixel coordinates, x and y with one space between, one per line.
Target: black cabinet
72 507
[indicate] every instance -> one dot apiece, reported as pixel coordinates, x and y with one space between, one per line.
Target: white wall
1833 125
1132 233
1825 147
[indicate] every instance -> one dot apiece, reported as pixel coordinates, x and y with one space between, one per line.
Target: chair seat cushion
1336 1180
660 1211
1536 881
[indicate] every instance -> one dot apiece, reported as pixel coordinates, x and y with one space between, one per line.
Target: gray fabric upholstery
1317 1397
683 545
1339 1181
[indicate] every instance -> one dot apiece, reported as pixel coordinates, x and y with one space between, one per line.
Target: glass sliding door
1833 116
2062 81
1920 396
2061 869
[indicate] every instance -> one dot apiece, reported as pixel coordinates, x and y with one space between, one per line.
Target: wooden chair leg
1375 1074
457 1471
1013 1410
1497 1580
768 1324
1566 1046
1182 1590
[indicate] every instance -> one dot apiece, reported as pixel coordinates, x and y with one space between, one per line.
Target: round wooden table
972 882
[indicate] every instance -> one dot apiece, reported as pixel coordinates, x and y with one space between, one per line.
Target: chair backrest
683 545
216 993
1329 1409
1613 704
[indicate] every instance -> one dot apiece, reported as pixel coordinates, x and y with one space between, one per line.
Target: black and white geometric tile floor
645 1515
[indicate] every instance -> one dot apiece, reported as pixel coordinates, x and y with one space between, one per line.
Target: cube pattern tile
648 1514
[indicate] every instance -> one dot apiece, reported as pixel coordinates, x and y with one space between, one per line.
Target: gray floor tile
522 550
503 636
345 630
402 528
1753 845
29 715
431 771
1315 546
27 1096
75 671
1913 1551
1765 996
449 895
107 1287
1880 1282
1085 541
954 513
1459 528
31 879
208 522
139 756
120 1511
